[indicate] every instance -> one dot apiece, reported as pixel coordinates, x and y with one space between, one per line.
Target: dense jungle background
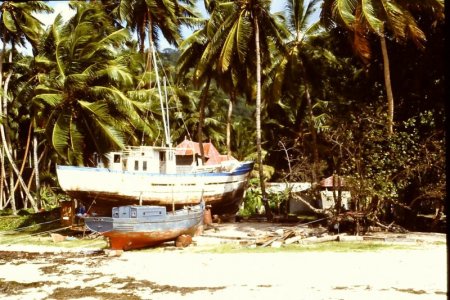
358 93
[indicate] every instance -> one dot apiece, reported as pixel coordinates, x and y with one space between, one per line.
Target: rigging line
23 228
175 96
165 114
167 136
146 111
21 238
147 123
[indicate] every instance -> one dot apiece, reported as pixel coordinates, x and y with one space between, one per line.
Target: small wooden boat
133 227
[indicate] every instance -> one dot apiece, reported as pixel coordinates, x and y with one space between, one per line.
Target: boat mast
167 111
166 129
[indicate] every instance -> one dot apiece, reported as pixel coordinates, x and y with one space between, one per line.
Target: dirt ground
31 272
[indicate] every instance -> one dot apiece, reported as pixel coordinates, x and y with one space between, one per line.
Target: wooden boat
157 176
133 227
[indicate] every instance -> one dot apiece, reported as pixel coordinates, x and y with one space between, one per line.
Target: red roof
328 182
188 147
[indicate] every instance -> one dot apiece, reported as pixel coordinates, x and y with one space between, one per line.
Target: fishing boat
164 176
134 227
159 175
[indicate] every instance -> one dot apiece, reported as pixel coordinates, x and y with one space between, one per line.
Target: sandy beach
28 272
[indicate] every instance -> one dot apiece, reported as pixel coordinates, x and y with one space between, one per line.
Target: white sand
386 274
182 274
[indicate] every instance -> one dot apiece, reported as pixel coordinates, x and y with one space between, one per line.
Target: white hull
221 190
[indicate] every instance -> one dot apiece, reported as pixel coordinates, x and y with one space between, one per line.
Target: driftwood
269 242
293 239
315 239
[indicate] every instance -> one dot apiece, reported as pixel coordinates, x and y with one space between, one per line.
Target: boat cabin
143 159
139 212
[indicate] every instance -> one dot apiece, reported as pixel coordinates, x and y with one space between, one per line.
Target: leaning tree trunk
387 82
24 160
320 211
16 170
258 122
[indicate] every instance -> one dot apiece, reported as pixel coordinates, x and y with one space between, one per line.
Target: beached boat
168 176
134 227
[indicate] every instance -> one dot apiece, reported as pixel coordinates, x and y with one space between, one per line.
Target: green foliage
253 199
86 89
406 167
30 222
88 109
253 205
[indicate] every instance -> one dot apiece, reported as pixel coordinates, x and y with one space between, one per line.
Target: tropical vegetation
357 93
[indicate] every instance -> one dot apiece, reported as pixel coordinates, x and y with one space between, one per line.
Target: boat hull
129 233
223 191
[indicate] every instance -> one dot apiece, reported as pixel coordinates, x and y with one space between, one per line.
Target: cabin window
133 213
136 165
116 158
144 166
162 156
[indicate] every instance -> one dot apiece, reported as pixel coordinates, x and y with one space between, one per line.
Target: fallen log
315 239
293 239
270 242
349 238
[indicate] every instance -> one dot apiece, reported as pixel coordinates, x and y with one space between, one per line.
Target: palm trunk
16 170
313 136
258 122
2 177
25 155
148 66
36 170
229 118
2 156
202 118
12 194
387 82
5 143
337 188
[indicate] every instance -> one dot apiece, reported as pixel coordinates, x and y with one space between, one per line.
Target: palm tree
200 55
192 49
148 17
293 64
17 26
88 112
300 61
392 19
247 31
